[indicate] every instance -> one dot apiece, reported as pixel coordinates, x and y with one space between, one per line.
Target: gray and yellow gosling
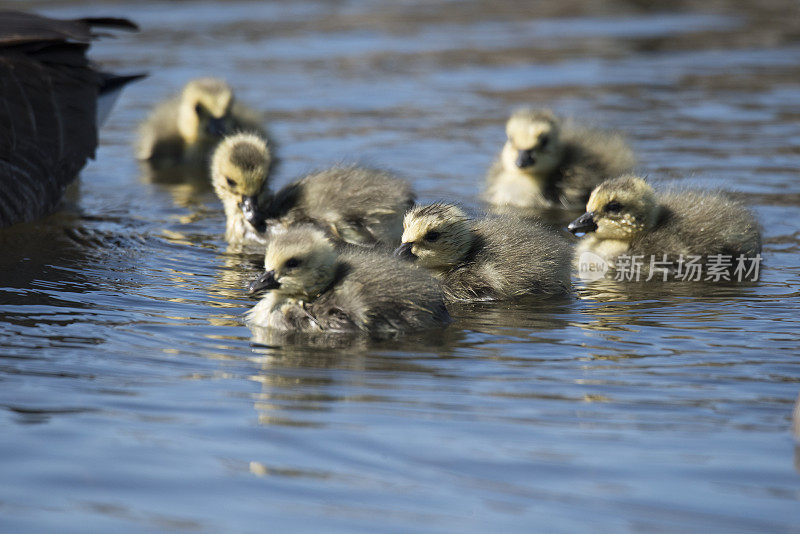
546 163
485 259
240 170
185 128
625 216
354 205
351 204
312 287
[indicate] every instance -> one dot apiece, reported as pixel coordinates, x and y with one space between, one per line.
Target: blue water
135 400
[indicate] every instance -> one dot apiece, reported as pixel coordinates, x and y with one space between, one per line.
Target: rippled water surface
134 399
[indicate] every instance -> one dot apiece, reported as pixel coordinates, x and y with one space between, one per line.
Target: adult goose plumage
49 109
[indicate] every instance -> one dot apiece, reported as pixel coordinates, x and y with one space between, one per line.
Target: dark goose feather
48 108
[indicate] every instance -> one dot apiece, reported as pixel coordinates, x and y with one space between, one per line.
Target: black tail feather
112 82
110 22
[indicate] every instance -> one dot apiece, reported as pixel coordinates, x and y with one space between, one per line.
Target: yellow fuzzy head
533 145
205 108
438 236
240 167
622 208
302 261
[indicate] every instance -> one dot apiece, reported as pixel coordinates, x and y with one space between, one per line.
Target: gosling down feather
485 259
187 127
547 163
53 102
312 287
351 204
626 216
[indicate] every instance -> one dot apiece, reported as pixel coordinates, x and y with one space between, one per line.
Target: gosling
353 205
548 164
185 128
240 169
625 216
314 288
485 259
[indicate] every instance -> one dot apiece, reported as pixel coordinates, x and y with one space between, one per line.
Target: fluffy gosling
546 163
485 259
186 127
240 168
352 204
314 288
626 216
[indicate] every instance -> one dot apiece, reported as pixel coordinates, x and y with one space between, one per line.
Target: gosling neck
340 270
188 125
470 252
235 224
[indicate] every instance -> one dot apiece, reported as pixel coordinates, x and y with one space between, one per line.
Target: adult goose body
52 101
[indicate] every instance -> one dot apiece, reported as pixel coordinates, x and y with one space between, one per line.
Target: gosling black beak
583 224
404 252
216 126
525 158
264 282
249 207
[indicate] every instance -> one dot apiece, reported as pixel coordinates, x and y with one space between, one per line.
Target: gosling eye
613 207
291 263
431 236
198 109
231 183
543 141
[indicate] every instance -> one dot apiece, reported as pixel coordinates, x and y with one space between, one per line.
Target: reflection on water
189 186
135 398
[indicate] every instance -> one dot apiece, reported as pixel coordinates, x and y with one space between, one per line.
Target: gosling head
239 172
205 108
621 209
437 236
300 263
533 142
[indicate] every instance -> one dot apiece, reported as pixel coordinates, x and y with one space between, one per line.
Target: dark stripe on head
437 209
247 156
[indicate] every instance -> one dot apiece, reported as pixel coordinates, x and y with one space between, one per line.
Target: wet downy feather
355 205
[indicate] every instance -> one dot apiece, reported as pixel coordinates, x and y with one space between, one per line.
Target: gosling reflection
612 305
619 292
236 271
302 380
189 185
525 318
